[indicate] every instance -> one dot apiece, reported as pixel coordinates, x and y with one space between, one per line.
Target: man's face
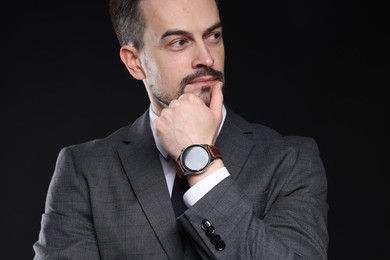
183 49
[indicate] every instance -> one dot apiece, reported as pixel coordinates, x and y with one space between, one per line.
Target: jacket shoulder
267 136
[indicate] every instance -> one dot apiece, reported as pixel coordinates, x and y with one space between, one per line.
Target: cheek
173 71
149 66
220 59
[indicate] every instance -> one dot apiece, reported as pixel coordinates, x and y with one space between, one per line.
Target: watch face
195 158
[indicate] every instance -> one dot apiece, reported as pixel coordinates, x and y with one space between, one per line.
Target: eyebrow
182 32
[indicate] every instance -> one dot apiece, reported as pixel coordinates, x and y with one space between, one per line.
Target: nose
202 57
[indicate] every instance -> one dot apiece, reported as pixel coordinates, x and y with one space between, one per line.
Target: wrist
214 166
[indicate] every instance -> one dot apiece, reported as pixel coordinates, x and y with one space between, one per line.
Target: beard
205 93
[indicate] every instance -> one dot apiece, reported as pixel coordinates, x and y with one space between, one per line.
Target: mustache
218 75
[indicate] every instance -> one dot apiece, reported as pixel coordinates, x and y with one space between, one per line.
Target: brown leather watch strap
214 152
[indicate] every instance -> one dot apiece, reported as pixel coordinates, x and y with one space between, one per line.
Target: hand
188 121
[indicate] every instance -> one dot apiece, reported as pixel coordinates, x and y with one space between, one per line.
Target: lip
203 80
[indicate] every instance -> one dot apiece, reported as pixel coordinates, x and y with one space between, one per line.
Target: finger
217 100
186 96
173 103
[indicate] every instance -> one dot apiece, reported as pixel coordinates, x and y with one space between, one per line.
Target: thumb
217 100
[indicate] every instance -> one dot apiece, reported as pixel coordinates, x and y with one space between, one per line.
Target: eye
178 44
214 37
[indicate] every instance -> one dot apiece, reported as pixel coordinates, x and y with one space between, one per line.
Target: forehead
188 15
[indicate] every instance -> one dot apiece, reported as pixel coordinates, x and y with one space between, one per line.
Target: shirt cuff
196 192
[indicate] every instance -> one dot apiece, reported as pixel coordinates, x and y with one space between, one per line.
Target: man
253 194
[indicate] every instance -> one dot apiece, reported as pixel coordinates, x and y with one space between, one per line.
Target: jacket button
220 245
215 239
206 225
210 231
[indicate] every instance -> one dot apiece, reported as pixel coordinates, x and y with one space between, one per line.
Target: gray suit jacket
108 199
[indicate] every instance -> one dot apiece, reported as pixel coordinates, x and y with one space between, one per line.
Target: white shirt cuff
196 192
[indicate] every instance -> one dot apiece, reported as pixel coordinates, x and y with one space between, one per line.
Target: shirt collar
153 116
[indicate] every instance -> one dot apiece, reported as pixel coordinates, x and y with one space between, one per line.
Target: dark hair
128 21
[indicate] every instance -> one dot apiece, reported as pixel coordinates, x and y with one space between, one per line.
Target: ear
130 57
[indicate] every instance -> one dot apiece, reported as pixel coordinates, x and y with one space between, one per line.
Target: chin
206 97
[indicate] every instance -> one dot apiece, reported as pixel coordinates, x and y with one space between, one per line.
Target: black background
314 68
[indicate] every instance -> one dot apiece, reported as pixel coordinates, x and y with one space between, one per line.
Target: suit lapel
141 162
234 143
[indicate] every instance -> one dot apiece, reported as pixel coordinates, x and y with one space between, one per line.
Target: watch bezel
185 163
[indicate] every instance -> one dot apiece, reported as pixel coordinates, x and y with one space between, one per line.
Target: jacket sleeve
224 224
66 231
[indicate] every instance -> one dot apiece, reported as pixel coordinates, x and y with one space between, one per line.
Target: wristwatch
196 158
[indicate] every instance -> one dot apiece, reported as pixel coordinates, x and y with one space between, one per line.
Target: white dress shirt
169 166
